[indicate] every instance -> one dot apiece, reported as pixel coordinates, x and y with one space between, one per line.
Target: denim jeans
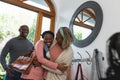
16 74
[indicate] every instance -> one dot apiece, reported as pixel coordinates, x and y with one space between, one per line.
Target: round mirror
86 23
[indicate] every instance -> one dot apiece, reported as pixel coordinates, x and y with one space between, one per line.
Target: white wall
66 8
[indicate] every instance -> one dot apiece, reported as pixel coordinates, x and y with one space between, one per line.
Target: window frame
41 13
95 31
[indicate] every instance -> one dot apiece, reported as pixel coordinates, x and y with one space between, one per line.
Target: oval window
86 23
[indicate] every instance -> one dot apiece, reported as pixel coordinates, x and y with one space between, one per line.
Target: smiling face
24 30
48 39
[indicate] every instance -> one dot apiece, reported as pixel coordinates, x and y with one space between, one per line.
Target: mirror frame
99 19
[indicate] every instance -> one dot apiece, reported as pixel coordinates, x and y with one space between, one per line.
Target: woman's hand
62 67
35 62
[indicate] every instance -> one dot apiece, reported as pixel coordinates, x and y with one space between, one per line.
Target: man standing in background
16 47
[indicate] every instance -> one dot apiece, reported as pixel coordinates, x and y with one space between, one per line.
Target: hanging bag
81 73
